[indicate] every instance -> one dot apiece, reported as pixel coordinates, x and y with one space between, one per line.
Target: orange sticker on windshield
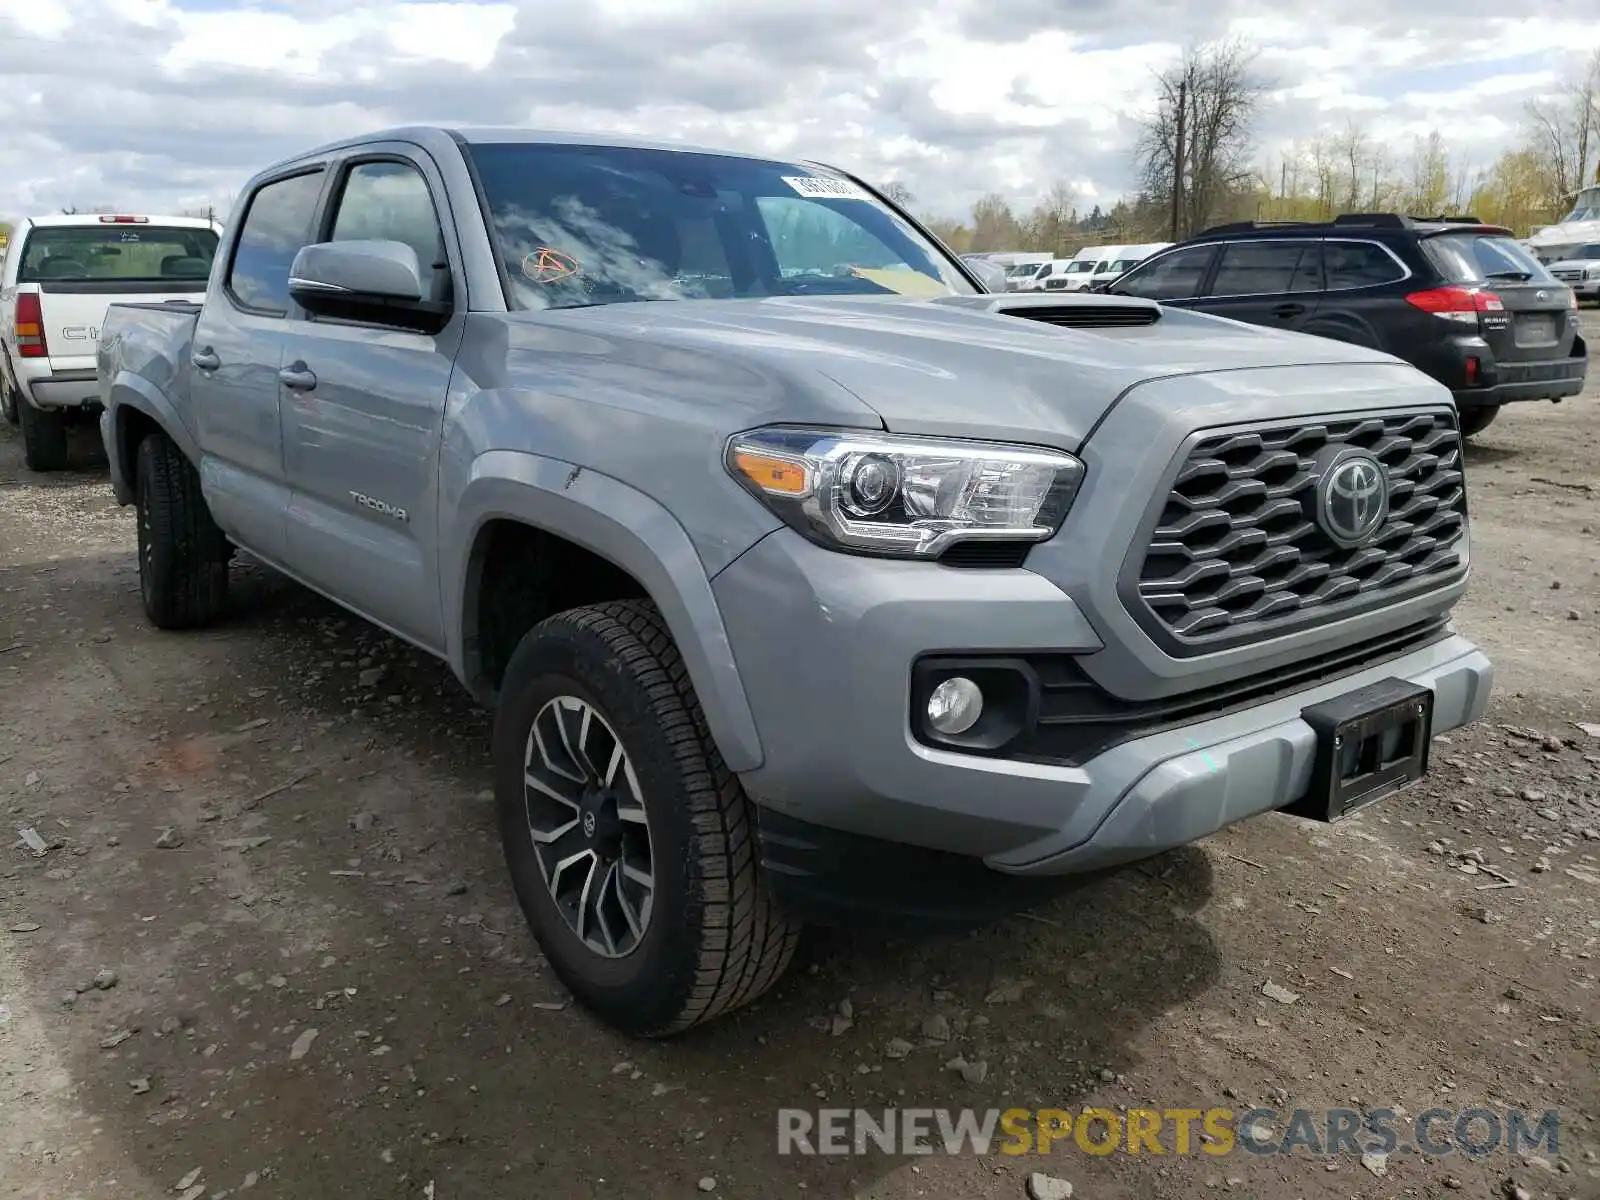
545 265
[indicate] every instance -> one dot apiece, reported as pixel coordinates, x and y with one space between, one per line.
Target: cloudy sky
164 104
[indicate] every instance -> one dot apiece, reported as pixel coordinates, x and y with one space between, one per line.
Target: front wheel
183 556
631 846
1477 419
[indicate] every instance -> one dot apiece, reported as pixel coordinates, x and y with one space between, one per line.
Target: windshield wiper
1519 275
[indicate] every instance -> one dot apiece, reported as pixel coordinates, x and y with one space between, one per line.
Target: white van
1076 274
1127 258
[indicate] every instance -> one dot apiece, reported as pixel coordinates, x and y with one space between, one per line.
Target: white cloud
144 103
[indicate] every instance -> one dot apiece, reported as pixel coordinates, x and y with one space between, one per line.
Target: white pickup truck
61 273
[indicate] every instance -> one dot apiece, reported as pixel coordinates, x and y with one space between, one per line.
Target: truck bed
151 341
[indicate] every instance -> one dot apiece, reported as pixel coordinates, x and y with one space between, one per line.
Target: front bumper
825 644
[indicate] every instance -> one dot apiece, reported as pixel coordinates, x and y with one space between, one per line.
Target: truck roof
432 135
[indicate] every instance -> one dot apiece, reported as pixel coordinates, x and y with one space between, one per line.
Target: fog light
955 706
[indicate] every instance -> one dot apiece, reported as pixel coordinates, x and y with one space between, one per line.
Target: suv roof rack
1377 220
1242 226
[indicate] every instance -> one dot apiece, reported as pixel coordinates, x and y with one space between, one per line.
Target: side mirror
370 272
991 274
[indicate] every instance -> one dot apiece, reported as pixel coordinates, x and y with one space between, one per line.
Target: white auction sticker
824 187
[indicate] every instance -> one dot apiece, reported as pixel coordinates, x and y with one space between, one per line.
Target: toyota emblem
1543 295
1352 497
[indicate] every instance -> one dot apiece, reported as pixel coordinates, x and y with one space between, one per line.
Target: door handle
206 359
298 378
1288 310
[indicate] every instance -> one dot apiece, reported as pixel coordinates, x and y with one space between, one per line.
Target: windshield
1022 269
1585 206
1591 250
1479 258
1082 266
581 225
1124 264
118 253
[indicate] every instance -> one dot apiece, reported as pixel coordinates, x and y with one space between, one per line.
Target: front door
363 410
1275 283
235 356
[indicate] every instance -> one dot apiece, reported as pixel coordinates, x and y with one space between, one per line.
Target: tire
1478 418
44 437
8 402
711 938
183 557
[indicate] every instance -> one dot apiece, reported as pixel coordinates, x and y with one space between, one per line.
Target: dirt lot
272 843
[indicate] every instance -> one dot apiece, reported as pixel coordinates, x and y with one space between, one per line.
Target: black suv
1454 297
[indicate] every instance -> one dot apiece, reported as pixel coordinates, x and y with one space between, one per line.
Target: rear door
80 269
237 350
1277 283
1538 320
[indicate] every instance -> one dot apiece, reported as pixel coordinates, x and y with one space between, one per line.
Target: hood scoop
1086 315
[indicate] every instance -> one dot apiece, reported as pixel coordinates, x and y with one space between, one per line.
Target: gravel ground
272 949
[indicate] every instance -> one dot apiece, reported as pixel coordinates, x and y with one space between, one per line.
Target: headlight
880 493
1592 273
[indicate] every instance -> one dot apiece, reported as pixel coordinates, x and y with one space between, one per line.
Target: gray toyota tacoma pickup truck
806 577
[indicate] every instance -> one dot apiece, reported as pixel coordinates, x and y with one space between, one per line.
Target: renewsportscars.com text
1436 1133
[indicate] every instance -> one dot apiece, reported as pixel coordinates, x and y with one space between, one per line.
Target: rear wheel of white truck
183 556
44 437
631 846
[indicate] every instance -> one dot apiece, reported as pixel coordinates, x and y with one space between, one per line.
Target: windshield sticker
545 265
818 187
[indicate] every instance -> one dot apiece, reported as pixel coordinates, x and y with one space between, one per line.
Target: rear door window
1482 258
1359 265
277 224
114 253
1175 276
1262 268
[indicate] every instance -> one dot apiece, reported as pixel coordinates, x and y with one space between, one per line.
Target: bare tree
1353 149
1052 223
994 225
1564 131
1325 166
898 193
1214 94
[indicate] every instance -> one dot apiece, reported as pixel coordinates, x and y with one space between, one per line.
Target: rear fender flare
132 392
622 525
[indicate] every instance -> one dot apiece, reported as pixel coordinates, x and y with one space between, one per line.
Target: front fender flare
130 390
626 527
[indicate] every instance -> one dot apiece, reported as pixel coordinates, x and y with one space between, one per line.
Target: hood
970 366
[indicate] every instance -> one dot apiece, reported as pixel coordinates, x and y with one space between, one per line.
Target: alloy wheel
586 817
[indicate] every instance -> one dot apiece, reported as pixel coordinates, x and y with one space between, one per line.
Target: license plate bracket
1371 743
1535 330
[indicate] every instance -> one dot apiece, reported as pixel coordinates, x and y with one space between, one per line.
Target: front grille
1235 554
1572 276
